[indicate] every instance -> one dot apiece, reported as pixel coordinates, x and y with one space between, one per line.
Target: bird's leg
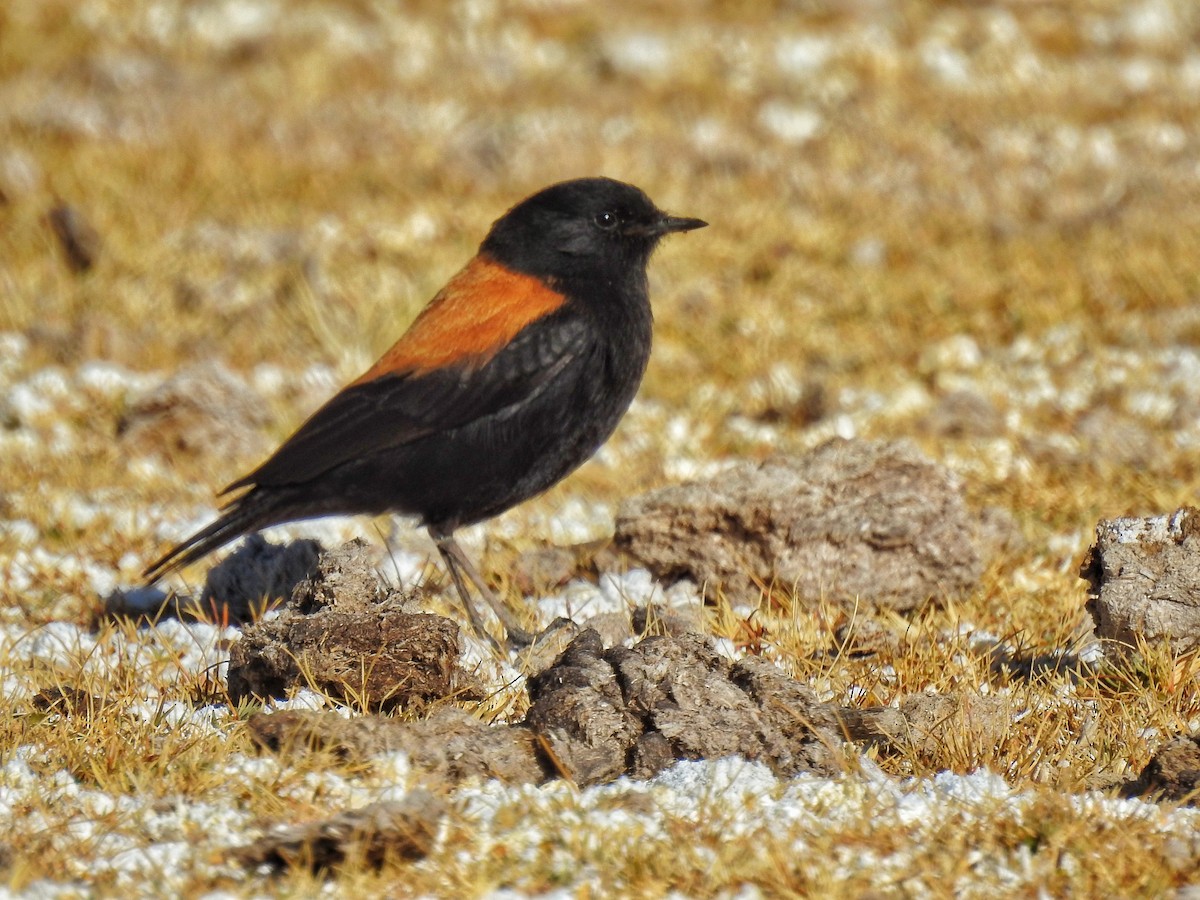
472 612
458 563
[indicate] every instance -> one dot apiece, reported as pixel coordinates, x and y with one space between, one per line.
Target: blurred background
970 224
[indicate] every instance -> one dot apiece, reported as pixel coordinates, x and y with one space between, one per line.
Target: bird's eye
606 220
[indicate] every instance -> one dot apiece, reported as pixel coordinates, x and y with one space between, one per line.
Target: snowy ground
972 226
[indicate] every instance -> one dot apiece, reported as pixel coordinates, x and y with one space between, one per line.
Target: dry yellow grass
906 200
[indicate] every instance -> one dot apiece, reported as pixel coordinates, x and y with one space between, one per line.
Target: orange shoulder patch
478 311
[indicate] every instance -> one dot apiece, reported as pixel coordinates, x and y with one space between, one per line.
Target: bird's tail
245 514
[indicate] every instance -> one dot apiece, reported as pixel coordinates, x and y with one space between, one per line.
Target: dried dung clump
544 569
974 721
448 747
1173 774
347 634
370 836
600 714
609 713
1144 581
853 520
204 411
257 576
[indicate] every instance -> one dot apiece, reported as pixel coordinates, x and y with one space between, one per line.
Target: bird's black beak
663 225
670 224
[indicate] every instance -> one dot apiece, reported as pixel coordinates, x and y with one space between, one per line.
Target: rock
1144 581
345 633
366 837
851 521
204 411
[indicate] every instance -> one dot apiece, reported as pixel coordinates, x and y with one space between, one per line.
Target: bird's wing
391 406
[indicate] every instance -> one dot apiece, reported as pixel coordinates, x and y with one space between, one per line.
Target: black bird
512 376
